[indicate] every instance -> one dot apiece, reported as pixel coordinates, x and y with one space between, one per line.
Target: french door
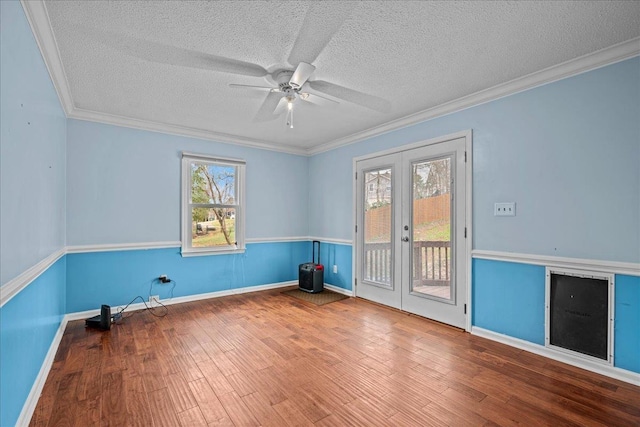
410 230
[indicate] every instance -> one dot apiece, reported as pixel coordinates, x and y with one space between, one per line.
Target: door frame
468 143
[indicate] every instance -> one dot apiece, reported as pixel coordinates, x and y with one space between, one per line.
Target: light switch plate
504 209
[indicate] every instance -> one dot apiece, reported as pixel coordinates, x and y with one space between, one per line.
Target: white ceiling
168 65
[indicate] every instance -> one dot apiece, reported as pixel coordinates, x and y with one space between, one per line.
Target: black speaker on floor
311 274
102 320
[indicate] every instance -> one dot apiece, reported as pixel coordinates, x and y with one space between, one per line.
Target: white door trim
468 138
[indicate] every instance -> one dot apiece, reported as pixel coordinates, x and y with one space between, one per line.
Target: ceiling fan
290 84
315 33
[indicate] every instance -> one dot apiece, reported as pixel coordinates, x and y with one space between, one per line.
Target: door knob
405 239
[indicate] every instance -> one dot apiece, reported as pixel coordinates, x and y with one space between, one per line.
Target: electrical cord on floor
173 286
147 307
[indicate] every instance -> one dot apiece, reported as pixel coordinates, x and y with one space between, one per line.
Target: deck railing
431 263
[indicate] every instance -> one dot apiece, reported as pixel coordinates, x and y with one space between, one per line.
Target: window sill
207 252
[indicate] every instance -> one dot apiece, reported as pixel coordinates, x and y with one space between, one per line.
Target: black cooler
311 274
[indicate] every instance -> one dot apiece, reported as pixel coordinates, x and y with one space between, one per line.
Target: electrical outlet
504 209
335 269
154 299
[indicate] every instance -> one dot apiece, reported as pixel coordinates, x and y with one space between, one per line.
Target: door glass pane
431 260
377 227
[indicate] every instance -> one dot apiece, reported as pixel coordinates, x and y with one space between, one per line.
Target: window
212 205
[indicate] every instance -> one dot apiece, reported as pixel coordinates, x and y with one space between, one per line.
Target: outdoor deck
436 291
431 266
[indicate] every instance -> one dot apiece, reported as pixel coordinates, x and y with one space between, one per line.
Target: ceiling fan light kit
290 100
290 84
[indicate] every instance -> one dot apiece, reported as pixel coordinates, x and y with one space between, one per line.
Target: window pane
213 183
211 227
431 258
377 227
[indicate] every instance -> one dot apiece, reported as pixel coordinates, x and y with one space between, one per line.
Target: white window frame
239 206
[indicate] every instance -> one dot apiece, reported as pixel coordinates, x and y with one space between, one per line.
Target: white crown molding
582 64
15 285
599 368
38 18
36 389
122 247
628 268
147 125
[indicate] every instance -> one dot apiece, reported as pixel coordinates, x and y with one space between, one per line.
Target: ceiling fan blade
369 101
166 54
265 113
314 98
321 22
281 107
263 88
301 75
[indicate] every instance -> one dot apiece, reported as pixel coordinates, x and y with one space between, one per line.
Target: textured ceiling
171 62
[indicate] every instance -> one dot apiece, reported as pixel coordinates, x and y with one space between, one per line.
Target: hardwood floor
268 359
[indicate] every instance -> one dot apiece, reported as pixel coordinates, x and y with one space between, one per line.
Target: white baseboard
339 290
36 389
179 300
189 298
609 371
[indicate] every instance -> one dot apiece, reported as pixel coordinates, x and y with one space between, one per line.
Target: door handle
405 239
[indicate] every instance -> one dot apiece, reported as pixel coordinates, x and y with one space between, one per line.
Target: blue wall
32 150
124 186
117 277
32 213
627 323
565 152
509 298
28 324
339 255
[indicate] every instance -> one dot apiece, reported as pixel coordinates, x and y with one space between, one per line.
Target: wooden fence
377 222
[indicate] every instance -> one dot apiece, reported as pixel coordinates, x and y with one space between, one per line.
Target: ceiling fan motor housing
282 78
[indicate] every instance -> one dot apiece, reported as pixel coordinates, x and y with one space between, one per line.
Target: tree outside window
213 211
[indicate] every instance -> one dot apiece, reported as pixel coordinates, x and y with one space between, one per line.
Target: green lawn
439 231
214 238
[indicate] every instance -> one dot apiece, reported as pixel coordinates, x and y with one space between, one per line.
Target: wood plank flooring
268 359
